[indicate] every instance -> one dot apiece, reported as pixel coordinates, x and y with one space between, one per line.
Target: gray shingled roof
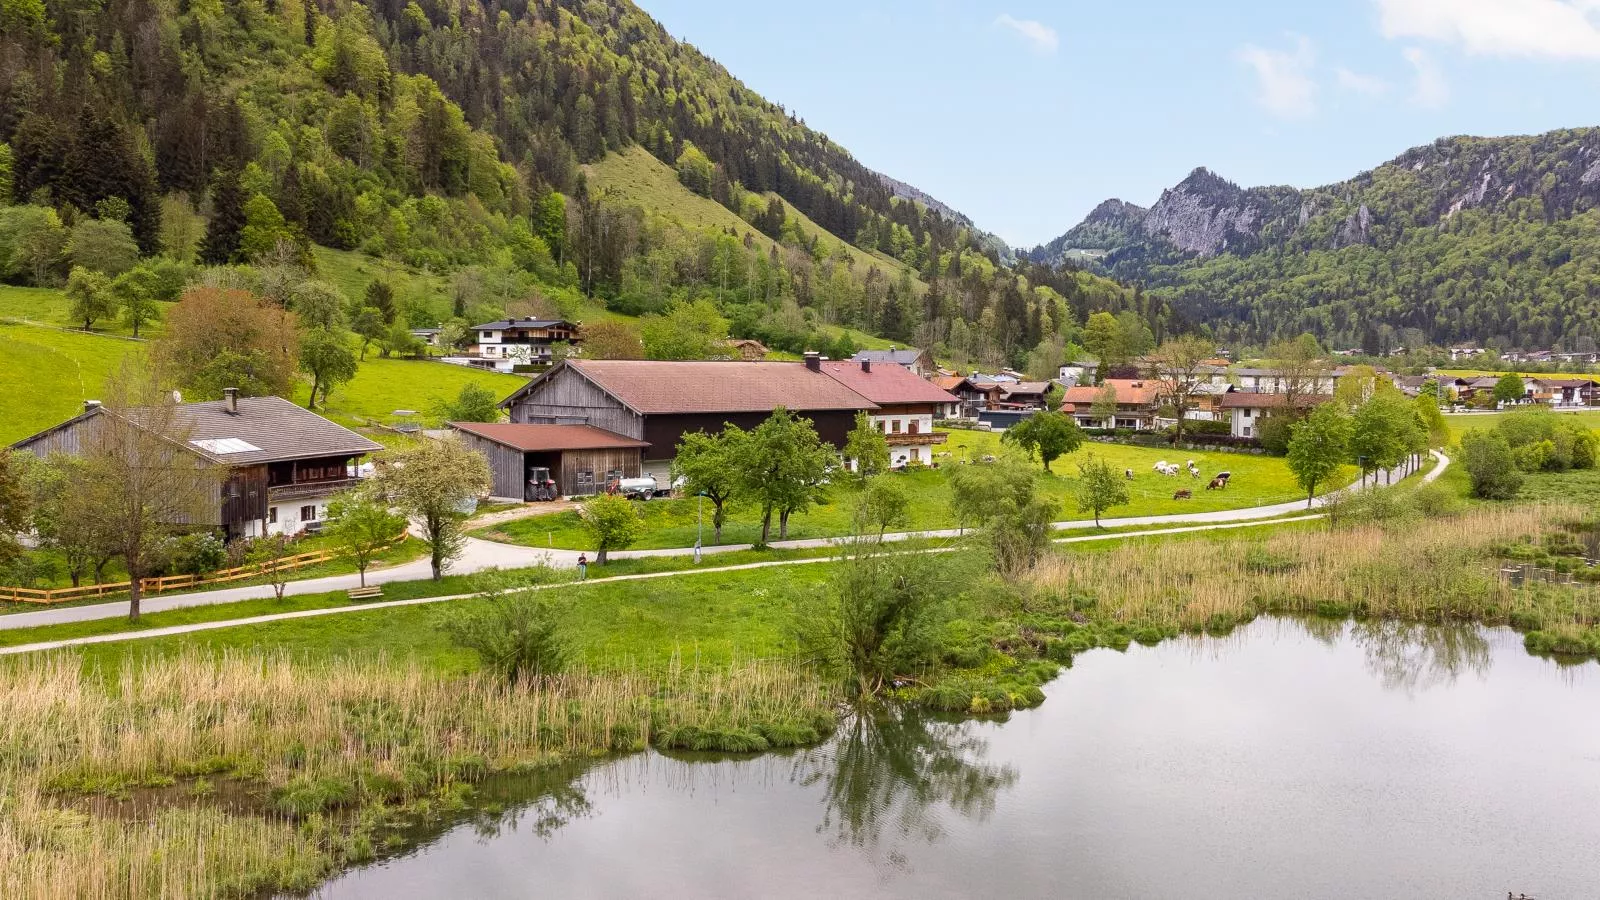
274 429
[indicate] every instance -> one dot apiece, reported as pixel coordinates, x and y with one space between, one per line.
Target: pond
1289 759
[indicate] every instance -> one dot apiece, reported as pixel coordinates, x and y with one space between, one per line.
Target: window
896 425
272 515
308 513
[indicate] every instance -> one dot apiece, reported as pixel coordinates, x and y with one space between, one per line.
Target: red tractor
541 486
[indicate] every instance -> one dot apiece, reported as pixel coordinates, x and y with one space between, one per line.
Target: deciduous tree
1047 435
435 485
327 358
867 447
360 525
218 338
611 522
1318 446
784 466
712 465
91 296
1100 487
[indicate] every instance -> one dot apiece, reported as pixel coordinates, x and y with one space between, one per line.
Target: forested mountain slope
475 141
1463 239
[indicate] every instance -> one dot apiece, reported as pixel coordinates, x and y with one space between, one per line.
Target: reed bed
1439 570
317 757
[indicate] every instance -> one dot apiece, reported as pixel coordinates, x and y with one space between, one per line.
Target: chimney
813 360
91 405
230 400
866 364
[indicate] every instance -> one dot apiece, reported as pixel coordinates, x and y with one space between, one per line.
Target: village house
656 403
907 406
1138 401
918 361
1023 394
282 464
508 343
1072 374
1246 409
1272 381
1563 392
582 459
1465 351
976 393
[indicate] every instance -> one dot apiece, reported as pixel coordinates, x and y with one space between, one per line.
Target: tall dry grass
321 750
1435 570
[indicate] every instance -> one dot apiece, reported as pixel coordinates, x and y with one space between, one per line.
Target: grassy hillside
49 306
634 176
46 374
382 386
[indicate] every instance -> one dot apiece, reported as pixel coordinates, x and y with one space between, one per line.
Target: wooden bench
370 592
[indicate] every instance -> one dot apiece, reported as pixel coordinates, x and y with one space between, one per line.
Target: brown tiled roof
946 382
887 383
652 387
1250 400
525 437
1130 391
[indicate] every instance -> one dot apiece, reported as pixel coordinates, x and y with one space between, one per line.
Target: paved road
480 555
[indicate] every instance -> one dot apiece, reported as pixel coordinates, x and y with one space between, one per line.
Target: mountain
1466 238
532 153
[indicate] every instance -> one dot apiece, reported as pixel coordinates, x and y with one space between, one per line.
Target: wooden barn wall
664 431
505 465
598 462
567 398
244 495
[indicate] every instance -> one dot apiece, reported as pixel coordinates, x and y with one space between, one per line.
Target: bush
518 636
1488 459
200 553
1434 500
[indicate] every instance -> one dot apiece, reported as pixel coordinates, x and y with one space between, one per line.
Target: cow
1217 484
1184 494
1128 474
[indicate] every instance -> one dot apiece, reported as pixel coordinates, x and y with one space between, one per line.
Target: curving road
481 555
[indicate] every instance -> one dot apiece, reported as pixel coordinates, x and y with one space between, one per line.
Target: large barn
658 402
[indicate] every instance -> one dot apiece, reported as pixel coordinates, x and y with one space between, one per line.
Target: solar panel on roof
224 446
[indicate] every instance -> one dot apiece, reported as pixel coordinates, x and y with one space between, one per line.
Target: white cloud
1555 29
1429 89
1357 83
1041 36
1285 87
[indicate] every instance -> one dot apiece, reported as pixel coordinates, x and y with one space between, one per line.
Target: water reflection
1414 658
901 775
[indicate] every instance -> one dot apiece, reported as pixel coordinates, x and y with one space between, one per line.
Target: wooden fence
165 583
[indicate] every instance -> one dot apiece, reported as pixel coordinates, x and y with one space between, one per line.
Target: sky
1025 114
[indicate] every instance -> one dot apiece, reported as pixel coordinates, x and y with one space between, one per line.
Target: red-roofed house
1137 402
658 402
907 405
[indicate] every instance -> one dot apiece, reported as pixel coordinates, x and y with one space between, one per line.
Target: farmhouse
581 459
907 406
1137 401
1247 409
658 402
1563 392
918 361
282 463
508 343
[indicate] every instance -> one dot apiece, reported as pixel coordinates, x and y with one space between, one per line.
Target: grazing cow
1184 494
1161 466
1217 484
1128 474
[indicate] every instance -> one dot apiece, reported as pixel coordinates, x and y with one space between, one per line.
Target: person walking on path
583 567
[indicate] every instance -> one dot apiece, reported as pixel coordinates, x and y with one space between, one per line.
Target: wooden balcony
912 439
304 489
